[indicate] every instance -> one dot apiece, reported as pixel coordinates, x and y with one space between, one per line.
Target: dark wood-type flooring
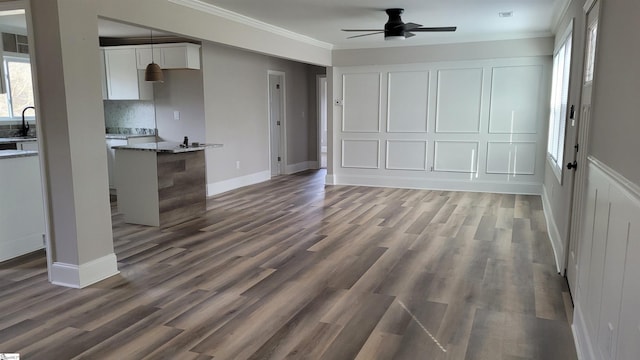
291 269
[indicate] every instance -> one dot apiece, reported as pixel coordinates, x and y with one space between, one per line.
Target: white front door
583 138
276 121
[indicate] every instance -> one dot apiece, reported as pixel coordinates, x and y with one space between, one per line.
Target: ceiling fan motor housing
394 27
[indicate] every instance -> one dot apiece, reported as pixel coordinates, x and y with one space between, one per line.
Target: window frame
12 57
558 105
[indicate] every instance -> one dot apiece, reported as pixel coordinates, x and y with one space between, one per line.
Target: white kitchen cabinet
124 80
105 94
111 153
22 220
169 56
27 145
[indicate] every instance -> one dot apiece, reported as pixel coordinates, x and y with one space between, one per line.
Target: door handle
573 165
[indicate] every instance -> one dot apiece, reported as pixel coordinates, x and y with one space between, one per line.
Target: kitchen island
160 184
21 210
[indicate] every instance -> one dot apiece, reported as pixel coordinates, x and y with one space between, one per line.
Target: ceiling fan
395 29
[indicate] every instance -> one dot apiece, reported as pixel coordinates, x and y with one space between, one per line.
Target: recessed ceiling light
505 14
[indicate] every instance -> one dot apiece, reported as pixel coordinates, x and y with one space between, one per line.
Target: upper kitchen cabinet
169 56
123 79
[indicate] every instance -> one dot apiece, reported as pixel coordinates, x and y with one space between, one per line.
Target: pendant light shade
153 72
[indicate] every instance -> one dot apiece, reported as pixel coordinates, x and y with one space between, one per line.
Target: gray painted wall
181 91
559 195
444 52
615 122
236 110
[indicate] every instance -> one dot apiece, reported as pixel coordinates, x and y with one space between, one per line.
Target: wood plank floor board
293 269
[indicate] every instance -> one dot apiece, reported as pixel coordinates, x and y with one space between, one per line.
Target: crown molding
560 11
242 19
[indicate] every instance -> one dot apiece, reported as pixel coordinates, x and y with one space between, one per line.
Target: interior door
275 122
322 115
583 137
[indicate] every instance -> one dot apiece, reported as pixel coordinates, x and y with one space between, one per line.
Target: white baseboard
301 166
584 348
83 275
443 185
330 179
554 233
238 182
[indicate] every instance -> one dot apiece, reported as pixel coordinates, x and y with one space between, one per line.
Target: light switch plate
176 115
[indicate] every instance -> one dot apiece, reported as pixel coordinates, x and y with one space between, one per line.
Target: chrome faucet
24 131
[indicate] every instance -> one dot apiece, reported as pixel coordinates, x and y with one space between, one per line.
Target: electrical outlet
176 115
238 164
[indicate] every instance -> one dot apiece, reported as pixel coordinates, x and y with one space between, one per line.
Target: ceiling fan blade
411 26
373 33
362 30
435 29
408 34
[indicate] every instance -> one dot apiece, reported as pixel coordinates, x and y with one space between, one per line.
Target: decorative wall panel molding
456 156
408 94
436 131
513 158
406 155
459 100
362 154
515 94
361 102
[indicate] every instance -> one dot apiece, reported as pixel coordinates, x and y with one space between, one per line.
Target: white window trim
558 166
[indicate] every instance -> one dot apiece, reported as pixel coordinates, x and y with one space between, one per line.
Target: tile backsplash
129 114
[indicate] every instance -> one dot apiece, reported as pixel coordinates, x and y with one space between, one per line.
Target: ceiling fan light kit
396 29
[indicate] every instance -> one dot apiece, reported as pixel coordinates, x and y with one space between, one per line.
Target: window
19 87
559 99
592 33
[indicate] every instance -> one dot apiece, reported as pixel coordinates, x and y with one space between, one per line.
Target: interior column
71 116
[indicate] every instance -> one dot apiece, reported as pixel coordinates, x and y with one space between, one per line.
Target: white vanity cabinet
123 79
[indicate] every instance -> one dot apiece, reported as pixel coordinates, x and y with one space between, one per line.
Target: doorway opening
277 131
322 120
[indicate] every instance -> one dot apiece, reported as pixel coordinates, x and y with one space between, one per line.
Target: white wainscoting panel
456 156
515 91
513 158
459 101
408 94
361 102
406 155
363 154
607 320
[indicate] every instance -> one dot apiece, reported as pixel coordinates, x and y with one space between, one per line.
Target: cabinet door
122 74
28 145
143 57
103 67
174 57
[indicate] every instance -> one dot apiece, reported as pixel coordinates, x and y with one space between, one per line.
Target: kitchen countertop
126 136
9 154
12 140
165 147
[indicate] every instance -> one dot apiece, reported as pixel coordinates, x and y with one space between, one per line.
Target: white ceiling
477 20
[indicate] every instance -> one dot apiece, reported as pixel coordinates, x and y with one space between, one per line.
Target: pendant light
153 72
